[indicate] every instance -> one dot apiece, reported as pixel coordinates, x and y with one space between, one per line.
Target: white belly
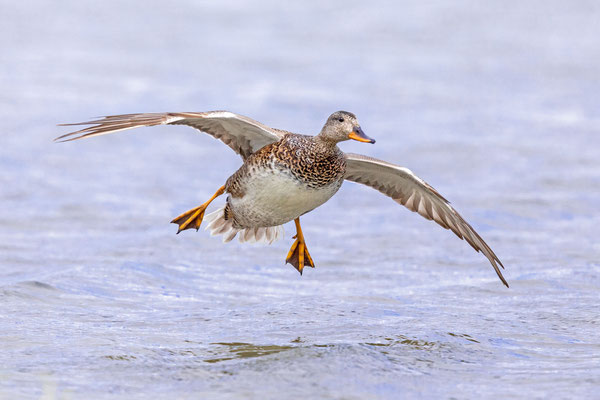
272 199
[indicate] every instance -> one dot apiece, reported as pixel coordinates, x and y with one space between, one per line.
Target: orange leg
298 255
193 218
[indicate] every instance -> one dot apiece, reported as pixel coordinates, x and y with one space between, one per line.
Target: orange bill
358 134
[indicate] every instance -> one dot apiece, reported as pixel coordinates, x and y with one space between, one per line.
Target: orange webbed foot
298 255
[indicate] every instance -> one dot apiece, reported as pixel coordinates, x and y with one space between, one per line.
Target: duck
285 175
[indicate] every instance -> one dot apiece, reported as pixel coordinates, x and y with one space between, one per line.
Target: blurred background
493 103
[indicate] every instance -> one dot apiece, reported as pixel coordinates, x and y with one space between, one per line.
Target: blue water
494 104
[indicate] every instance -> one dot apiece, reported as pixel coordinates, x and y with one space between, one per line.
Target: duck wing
244 135
405 188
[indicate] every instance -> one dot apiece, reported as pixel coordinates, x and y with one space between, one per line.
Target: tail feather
218 225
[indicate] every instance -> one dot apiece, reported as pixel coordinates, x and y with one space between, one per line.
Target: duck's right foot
193 218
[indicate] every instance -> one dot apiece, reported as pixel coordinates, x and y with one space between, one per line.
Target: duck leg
193 218
298 255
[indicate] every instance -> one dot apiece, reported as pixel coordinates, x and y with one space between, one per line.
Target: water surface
494 105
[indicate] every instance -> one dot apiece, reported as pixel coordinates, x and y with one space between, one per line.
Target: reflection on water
495 106
122 357
245 350
231 351
463 335
402 340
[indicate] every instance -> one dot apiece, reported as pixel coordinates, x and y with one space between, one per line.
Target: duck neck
325 144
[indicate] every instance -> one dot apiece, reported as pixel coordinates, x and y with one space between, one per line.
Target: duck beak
358 134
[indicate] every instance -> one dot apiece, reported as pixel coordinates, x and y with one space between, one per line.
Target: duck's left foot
298 255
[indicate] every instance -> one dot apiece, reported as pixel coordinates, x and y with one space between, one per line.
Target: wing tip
494 261
61 138
502 278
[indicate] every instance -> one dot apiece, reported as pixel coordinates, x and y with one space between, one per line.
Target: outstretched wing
244 135
406 188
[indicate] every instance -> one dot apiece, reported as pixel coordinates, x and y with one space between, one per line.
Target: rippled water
495 105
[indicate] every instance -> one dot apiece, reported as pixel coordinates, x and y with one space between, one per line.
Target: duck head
343 125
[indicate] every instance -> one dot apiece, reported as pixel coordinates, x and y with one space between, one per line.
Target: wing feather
242 134
407 189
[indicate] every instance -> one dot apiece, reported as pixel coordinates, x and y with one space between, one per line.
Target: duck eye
341 119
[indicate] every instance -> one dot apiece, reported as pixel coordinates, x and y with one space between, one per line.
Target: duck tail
264 235
219 222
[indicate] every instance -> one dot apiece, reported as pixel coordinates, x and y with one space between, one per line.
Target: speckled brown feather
308 159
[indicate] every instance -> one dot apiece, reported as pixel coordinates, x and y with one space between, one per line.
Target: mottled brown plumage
306 158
